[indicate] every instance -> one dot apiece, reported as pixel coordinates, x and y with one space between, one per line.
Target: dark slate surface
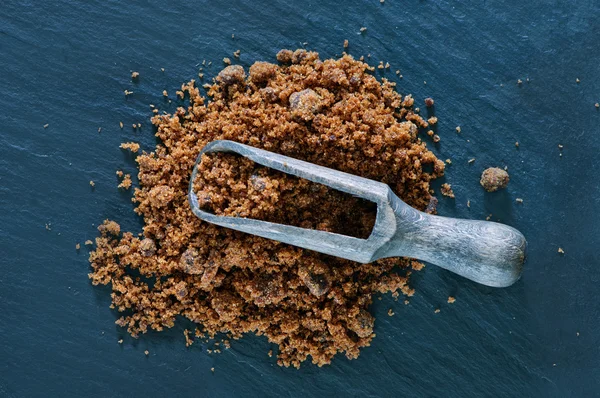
67 63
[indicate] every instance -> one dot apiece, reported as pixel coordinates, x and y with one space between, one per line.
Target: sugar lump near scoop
494 178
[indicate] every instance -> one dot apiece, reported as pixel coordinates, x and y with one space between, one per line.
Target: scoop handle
486 252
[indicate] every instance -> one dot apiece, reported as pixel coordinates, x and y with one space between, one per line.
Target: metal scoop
485 252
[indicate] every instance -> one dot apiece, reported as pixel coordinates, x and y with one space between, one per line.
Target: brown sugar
126 183
446 190
132 146
494 178
110 227
188 340
260 72
305 104
308 304
233 74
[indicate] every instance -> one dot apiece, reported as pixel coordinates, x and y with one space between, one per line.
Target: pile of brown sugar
330 112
